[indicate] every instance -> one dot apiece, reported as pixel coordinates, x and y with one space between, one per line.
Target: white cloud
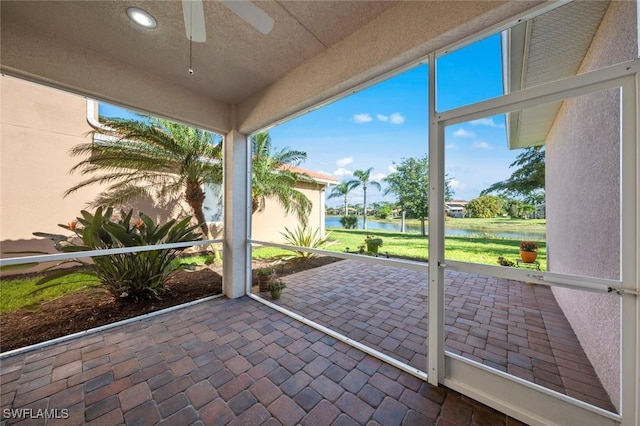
378 177
486 122
362 118
457 185
392 168
396 118
344 161
451 146
343 172
482 145
462 133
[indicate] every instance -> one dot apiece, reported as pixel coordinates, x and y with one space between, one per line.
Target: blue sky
387 122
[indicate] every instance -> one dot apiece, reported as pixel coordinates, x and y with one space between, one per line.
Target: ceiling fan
193 12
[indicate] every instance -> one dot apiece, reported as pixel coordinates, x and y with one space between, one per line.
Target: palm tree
363 179
342 190
274 176
151 158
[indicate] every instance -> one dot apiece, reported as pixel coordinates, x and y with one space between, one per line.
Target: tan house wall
268 224
38 127
583 199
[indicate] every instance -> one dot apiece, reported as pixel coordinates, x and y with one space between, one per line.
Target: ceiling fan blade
251 14
193 12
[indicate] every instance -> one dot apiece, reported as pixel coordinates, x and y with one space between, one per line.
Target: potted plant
275 288
264 276
528 251
505 262
373 244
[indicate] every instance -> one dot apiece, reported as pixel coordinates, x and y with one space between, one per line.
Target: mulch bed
89 309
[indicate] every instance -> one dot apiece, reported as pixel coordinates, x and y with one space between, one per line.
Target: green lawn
475 249
16 293
21 292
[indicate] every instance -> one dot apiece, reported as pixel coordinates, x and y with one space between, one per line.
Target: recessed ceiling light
141 17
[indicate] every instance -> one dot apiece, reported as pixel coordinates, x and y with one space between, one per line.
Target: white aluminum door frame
516 397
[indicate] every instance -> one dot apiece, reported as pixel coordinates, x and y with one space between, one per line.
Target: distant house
455 208
38 130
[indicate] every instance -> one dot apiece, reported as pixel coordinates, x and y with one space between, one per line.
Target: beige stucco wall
38 127
268 224
583 199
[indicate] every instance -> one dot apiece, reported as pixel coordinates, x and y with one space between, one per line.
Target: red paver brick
386 385
256 415
201 393
327 388
66 370
295 383
235 386
390 412
265 391
67 397
143 415
125 368
286 410
241 402
186 416
172 405
113 417
134 396
216 413
355 407
456 410
22 399
102 407
183 366
421 404
173 387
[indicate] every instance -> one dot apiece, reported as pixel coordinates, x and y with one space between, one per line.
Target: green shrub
349 222
126 275
306 237
383 212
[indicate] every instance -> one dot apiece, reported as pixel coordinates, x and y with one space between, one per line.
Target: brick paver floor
224 361
507 325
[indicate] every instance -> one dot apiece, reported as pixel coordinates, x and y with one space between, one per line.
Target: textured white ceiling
234 62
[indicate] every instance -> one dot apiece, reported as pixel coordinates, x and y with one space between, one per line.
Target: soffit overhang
243 80
549 47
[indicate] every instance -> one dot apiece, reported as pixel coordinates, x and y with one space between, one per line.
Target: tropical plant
529 246
342 190
274 176
528 180
373 243
304 236
363 179
150 158
276 284
124 275
410 184
349 222
275 288
266 272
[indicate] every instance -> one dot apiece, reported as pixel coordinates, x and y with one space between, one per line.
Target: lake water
334 222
